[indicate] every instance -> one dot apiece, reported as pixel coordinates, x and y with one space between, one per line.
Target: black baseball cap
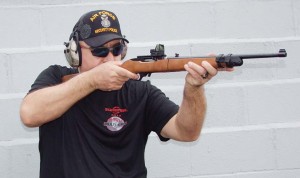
98 27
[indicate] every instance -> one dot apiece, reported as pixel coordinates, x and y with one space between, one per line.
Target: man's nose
109 57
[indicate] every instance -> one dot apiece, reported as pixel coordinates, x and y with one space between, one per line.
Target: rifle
157 62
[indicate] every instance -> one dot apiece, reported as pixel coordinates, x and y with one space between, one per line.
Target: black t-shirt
103 134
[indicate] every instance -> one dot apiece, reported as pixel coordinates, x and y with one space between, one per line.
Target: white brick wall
253 120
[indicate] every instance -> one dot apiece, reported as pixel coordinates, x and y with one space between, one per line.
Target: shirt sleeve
51 76
160 109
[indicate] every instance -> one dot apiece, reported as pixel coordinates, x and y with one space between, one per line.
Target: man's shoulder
51 76
63 70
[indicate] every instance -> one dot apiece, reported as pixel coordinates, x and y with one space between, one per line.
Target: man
97 123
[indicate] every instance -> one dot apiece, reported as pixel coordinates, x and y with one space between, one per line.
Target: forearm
192 112
47 104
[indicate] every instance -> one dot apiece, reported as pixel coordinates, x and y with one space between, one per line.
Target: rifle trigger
143 74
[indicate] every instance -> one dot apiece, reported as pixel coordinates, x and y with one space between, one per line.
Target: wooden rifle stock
163 65
156 61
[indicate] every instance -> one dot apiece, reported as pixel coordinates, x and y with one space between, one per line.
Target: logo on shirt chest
115 122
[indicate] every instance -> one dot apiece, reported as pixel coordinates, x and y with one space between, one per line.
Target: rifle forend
157 61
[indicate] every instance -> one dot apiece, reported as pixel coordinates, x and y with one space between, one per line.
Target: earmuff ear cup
73 53
124 49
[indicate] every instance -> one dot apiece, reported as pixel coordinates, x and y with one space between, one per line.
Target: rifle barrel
281 53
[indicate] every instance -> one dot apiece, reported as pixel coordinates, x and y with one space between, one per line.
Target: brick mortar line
53 48
5 96
216 41
268 171
232 129
21 141
117 2
271 126
236 84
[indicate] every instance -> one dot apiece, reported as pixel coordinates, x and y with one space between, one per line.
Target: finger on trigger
131 75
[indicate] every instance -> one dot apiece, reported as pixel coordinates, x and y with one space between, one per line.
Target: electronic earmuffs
73 50
124 49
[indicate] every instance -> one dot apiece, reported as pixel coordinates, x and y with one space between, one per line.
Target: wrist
88 79
192 90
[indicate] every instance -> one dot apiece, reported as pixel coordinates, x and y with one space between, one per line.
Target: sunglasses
103 51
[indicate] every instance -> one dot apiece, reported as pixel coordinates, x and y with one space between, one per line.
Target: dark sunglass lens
117 50
103 51
100 52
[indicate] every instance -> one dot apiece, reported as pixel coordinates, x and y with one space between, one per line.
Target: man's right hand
110 76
